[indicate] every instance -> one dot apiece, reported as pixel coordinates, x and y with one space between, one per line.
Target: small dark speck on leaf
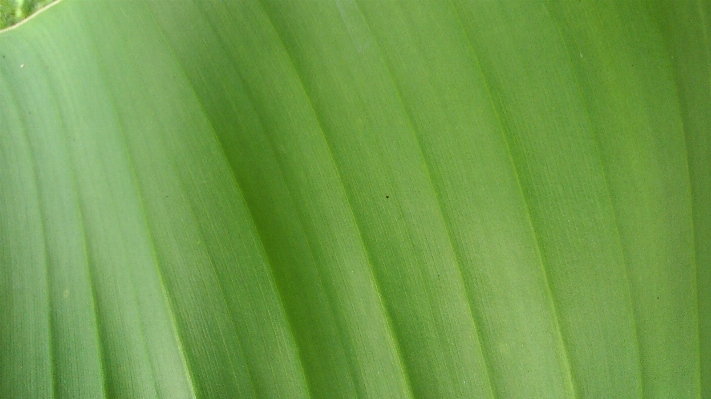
387 196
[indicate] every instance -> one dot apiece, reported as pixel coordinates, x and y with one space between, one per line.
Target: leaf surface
356 198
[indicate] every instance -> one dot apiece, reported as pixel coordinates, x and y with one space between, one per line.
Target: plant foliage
14 11
356 198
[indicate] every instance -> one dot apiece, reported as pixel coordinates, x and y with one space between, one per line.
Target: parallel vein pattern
356 199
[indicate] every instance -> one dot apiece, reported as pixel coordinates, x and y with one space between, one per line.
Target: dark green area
14 11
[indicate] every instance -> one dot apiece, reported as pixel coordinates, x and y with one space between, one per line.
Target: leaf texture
356 199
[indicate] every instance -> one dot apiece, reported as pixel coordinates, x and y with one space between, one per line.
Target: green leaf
357 198
15 11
